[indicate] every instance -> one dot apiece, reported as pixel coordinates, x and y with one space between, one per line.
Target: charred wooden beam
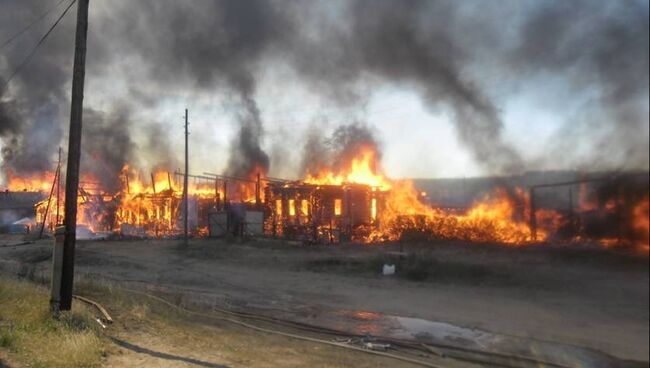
153 183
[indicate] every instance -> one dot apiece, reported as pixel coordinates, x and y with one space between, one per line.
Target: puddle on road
440 333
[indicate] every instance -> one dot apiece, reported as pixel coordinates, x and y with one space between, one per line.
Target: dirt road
582 297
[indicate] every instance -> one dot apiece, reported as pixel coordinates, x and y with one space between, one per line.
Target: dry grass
34 338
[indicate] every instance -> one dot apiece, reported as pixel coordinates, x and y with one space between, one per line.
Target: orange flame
361 170
490 219
641 223
38 182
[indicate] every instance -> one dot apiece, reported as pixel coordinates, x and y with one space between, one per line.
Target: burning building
322 212
352 200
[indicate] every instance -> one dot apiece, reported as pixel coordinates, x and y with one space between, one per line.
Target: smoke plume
335 153
452 54
31 106
601 49
246 156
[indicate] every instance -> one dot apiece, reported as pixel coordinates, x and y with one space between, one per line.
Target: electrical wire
25 29
38 44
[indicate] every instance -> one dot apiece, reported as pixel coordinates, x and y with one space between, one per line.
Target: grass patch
34 338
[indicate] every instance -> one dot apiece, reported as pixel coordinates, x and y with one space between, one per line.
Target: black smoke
335 152
247 158
209 45
601 50
8 112
35 102
411 43
315 153
452 54
106 146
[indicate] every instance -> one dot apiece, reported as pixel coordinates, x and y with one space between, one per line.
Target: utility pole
58 192
533 217
74 156
186 211
258 187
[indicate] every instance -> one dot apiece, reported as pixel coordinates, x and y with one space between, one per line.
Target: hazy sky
448 88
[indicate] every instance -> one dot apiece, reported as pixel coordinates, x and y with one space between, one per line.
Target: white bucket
389 269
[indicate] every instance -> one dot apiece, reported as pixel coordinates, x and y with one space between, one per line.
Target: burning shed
322 213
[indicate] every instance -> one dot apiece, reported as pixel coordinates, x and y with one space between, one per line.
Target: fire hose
466 354
281 333
108 318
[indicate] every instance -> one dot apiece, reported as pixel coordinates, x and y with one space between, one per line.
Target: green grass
32 337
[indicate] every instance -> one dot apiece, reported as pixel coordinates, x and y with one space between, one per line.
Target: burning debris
345 196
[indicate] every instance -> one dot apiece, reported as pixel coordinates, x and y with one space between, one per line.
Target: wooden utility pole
533 217
58 192
186 210
74 156
571 214
258 187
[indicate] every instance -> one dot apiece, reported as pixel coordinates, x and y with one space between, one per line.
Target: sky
446 88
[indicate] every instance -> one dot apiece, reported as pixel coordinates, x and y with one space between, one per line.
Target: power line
40 42
19 33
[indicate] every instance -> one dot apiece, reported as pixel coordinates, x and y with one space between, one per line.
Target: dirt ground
575 295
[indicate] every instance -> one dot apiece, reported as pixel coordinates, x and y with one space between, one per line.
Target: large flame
38 182
361 169
493 218
152 204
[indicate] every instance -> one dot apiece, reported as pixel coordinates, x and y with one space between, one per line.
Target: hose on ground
286 334
398 342
460 352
